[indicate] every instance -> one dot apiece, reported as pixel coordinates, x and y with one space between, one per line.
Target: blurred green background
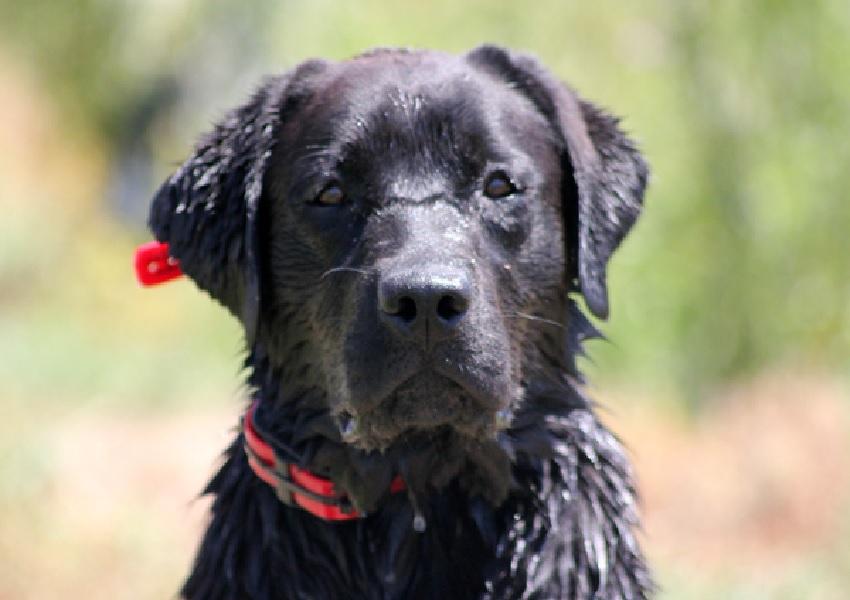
727 367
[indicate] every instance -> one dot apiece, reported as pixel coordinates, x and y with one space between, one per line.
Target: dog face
414 214
399 233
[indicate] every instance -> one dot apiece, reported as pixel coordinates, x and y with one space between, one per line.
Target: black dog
400 235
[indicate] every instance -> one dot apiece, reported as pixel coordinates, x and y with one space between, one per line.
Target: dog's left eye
498 185
331 195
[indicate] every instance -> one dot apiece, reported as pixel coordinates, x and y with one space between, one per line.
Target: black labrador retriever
403 235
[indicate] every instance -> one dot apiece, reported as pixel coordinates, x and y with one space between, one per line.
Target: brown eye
498 185
331 195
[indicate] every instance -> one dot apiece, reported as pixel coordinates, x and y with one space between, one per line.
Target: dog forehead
397 91
366 79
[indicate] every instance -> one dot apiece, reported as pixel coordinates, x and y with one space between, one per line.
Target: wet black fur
549 509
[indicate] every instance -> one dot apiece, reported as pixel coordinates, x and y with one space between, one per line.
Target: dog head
399 234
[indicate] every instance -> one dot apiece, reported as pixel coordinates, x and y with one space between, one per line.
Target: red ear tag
154 265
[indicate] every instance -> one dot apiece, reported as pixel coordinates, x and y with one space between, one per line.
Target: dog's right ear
207 210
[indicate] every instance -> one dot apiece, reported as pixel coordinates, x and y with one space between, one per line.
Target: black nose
429 303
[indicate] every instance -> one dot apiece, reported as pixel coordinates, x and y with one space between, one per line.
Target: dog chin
432 431
430 460
422 407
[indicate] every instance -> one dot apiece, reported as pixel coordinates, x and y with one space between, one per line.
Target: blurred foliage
740 261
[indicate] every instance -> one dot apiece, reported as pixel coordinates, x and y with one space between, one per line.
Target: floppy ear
207 211
604 174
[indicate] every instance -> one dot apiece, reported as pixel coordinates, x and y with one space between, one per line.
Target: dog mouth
426 402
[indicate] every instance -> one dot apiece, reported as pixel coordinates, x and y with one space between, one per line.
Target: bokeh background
727 367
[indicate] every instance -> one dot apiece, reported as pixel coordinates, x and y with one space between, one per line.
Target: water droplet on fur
347 425
504 418
419 523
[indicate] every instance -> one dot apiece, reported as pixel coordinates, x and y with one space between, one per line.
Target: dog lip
425 372
469 384
444 383
450 375
425 401
472 386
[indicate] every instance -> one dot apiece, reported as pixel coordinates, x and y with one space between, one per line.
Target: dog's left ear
602 168
207 211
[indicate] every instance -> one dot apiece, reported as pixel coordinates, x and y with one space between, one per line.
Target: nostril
406 309
450 307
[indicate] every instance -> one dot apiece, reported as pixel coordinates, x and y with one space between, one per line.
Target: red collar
293 485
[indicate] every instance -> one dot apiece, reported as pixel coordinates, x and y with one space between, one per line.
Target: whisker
536 318
343 270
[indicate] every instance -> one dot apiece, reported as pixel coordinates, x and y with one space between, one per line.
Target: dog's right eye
331 195
498 185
